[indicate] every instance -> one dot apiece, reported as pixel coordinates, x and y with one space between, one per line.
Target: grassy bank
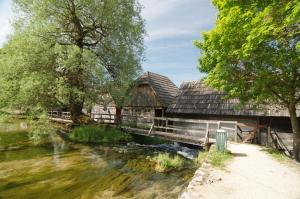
276 154
99 134
214 158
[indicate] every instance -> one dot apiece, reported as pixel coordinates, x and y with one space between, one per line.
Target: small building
197 101
150 96
104 110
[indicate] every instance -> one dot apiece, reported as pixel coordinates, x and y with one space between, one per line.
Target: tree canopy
253 53
64 52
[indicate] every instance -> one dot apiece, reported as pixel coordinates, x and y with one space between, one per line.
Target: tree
90 40
253 53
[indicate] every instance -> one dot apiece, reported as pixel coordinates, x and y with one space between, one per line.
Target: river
67 170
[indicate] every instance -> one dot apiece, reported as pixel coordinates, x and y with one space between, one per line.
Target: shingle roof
163 87
196 98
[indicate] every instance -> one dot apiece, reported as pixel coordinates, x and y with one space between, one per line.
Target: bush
165 163
95 134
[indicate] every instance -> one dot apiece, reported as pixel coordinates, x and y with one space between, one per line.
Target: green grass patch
215 158
165 162
276 154
99 134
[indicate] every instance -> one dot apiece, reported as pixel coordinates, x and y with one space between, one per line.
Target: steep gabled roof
196 98
163 87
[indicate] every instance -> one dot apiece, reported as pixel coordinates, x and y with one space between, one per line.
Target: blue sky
172 26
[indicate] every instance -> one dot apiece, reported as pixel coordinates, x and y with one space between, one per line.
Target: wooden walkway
188 131
187 139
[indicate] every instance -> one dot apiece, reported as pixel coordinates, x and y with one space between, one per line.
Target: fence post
268 135
236 132
166 124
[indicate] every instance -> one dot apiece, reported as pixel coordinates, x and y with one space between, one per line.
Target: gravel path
252 174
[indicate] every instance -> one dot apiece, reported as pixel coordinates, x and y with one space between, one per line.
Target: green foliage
5 118
252 52
96 134
40 128
67 53
166 163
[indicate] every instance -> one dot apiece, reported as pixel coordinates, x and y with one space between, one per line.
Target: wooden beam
151 128
268 135
236 132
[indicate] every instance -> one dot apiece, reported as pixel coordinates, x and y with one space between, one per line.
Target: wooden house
197 101
104 110
150 96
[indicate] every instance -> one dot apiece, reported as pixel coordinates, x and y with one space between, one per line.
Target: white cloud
177 18
157 8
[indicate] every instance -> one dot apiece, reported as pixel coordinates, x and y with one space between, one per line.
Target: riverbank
252 174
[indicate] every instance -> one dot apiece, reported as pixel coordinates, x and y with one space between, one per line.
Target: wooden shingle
196 98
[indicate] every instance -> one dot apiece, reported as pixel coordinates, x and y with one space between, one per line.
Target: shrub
165 163
96 134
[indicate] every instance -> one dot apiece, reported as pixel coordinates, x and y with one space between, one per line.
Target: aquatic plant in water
99 134
165 162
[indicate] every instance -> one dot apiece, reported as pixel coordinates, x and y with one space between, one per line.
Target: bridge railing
59 114
189 127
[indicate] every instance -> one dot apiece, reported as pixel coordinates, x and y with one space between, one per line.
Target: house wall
138 114
142 96
107 111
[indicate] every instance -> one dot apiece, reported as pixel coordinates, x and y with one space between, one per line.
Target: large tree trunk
76 112
118 118
296 131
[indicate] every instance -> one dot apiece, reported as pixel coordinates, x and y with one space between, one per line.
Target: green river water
66 170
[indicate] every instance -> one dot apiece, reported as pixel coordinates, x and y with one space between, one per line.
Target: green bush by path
96 134
165 163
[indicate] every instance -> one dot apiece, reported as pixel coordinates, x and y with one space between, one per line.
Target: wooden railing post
166 124
268 135
236 132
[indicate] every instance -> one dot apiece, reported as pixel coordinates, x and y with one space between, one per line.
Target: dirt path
252 174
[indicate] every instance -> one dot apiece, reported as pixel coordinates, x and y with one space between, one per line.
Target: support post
166 124
236 132
268 135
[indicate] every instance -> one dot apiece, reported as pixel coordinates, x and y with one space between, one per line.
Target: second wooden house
197 101
150 96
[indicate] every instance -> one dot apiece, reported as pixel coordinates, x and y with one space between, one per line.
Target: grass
215 158
276 154
99 135
165 162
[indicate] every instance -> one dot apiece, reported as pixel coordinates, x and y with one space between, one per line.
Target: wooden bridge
189 131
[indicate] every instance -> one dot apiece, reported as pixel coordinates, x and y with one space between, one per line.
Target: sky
171 25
